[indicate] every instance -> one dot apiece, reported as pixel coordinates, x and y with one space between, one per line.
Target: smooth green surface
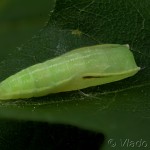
78 69
119 110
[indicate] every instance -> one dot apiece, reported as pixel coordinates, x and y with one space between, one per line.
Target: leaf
119 110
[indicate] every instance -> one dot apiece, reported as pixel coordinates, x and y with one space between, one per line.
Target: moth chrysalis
78 69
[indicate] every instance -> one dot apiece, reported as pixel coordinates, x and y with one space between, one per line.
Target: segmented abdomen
34 81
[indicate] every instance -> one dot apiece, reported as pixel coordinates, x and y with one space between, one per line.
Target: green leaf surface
119 110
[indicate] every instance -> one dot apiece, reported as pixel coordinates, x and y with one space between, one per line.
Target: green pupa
78 69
